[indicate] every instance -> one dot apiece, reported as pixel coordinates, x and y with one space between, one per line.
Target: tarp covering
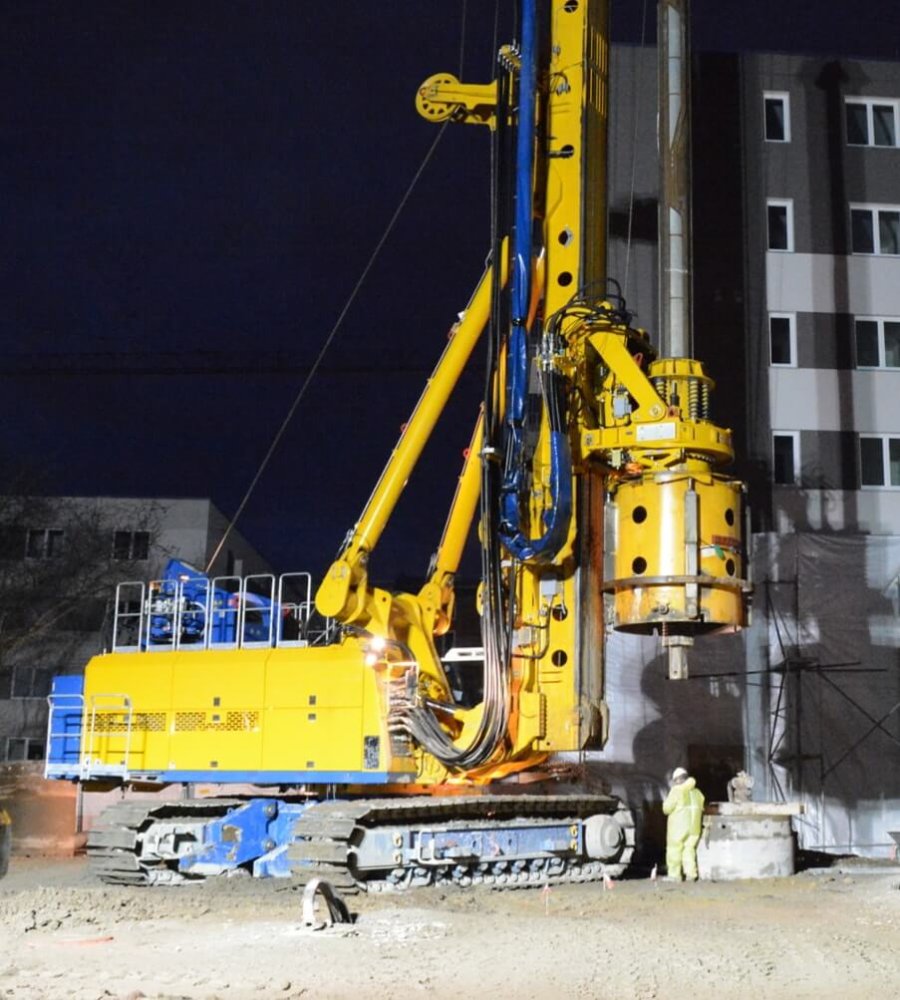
807 699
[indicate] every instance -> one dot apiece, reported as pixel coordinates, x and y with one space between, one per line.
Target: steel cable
328 340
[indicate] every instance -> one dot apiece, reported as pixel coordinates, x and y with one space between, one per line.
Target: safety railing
225 612
65 721
295 602
162 615
128 617
257 611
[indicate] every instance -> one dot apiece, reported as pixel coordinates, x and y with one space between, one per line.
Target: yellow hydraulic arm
344 594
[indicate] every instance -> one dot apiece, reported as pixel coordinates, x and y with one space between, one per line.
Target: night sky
190 193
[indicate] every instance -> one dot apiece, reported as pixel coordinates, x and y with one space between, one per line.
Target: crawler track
327 835
114 846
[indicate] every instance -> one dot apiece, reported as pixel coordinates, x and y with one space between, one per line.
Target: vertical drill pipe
674 179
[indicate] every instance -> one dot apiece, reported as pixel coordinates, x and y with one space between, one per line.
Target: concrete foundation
747 840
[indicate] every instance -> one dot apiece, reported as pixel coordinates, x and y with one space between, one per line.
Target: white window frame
795 438
28 741
788 204
880 320
885 440
785 98
792 322
876 228
869 103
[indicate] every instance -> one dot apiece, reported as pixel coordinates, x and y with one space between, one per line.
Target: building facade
796 278
822 141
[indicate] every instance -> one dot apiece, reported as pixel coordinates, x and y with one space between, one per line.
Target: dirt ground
817 934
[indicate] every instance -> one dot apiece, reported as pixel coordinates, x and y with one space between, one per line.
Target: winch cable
279 434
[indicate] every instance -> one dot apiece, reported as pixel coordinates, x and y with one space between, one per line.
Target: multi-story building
821 152
796 210
822 147
60 560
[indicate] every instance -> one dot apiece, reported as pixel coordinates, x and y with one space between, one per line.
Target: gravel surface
814 935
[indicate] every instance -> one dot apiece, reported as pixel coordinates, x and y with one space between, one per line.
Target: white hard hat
679 774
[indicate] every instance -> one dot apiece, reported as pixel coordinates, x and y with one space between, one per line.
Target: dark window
140 545
867 343
857 125
122 545
5 684
889 232
780 338
41 683
131 545
878 343
871 461
875 230
891 344
34 548
784 469
44 543
24 748
30 683
776 119
21 683
863 230
883 125
779 234
894 460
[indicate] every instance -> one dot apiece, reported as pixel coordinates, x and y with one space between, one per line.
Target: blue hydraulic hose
517 381
521 276
520 285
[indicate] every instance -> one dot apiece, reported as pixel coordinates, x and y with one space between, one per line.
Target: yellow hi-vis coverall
684 807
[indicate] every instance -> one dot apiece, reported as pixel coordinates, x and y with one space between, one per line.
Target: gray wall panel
825 340
828 460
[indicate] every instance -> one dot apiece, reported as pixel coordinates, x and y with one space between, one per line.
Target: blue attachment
194 589
520 285
64 731
259 831
557 519
521 276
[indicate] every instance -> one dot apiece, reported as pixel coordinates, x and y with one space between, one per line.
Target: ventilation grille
216 722
118 722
